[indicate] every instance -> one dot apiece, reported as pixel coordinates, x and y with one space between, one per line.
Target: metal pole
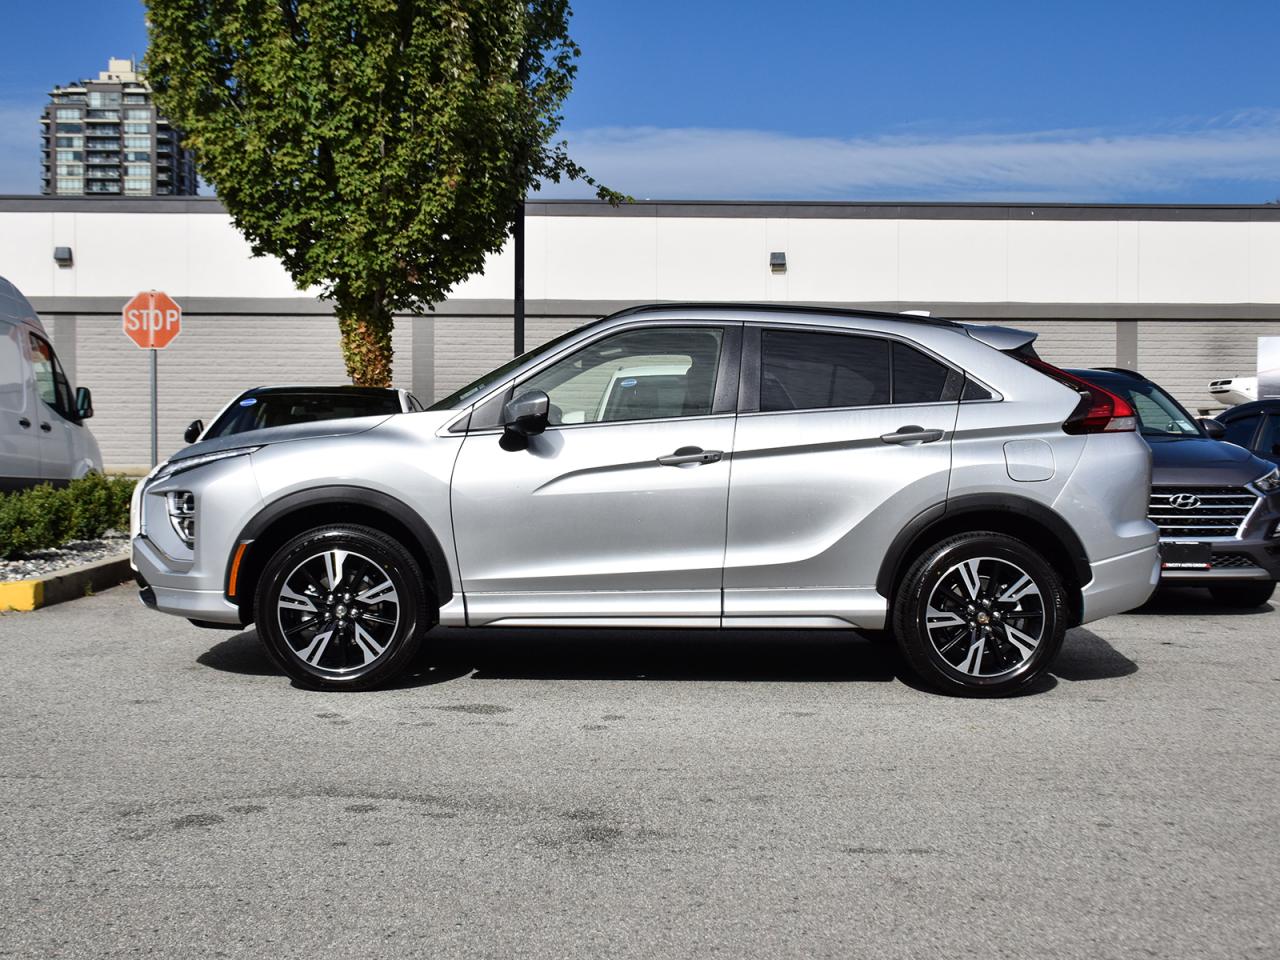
154 459
517 233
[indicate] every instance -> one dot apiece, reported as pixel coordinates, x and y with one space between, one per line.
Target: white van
42 431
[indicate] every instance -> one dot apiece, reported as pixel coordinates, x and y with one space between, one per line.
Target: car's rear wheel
980 614
342 607
1251 594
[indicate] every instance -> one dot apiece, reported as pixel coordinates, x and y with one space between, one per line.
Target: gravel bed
47 563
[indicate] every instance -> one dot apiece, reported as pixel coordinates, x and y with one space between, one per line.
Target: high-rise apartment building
104 138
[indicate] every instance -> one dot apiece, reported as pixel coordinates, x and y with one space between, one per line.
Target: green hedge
48 516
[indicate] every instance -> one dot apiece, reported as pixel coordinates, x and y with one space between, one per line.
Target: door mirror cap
1213 428
524 417
193 431
84 403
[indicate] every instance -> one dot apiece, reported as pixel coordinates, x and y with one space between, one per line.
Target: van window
51 382
12 386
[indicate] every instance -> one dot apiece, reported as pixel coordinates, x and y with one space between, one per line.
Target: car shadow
1087 656
1196 602
798 656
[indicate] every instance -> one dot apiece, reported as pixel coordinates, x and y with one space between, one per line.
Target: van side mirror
194 429
84 403
524 417
1213 428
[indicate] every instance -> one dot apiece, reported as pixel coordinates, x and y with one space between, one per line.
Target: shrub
46 516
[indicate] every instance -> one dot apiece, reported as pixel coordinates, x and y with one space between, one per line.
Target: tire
975 643
369 628
1246 594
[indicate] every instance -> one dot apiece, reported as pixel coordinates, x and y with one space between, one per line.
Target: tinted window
282 409
1242 429
1269 439
921 379
636 375
975 391
806 371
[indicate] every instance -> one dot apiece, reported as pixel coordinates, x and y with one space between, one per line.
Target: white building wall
703 258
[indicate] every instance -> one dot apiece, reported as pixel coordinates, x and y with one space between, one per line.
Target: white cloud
1176 160
19 148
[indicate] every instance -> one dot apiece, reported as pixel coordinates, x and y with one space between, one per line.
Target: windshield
460 398
1159 415
281 409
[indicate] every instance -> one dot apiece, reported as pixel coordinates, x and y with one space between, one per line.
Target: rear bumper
1120 583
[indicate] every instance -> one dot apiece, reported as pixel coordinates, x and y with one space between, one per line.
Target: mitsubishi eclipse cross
681 466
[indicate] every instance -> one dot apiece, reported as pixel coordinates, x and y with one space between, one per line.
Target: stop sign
152 320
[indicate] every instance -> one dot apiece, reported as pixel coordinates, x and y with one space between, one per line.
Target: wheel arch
292 514
1019 517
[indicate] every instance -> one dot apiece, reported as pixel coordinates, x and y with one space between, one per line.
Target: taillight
1099 411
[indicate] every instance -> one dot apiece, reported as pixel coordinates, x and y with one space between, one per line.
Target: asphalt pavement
165 792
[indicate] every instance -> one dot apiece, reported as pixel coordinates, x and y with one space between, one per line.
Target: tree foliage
378 148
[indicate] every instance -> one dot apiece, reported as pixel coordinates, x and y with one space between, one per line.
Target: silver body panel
788 529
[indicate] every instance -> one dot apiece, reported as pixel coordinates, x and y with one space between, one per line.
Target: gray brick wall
217 356
1184 355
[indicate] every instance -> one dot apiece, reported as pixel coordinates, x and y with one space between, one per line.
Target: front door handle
688 455
912 434
24 423
45 427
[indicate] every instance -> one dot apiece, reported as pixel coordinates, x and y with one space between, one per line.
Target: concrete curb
69 585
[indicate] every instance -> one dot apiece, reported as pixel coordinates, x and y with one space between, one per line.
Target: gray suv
681 466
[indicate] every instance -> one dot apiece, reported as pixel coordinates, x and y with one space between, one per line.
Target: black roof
316 390
1267 405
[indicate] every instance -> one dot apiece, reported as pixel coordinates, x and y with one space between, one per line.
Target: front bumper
1232 560
195 604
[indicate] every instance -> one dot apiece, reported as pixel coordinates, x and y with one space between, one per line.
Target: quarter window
635 375
808 371
921 379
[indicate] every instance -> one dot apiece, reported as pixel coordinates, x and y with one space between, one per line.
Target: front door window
651 374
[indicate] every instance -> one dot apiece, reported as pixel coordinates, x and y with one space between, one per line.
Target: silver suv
681 466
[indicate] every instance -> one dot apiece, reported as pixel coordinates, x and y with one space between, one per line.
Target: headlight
1269 483
174 467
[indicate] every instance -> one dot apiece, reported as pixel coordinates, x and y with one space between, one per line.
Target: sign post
152 320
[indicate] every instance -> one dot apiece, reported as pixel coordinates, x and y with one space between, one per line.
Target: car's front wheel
342 607
980 614
1249 594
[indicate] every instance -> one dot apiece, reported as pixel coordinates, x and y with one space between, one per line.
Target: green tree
379 148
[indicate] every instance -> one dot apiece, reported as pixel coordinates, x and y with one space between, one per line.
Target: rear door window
802 370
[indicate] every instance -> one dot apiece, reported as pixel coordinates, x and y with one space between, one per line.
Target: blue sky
1172 101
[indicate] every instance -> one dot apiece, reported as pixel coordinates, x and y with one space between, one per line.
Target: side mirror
194 429
1213 428
524 417
84 403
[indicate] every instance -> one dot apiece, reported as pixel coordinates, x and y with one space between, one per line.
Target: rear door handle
912 434
24 423
687 455
45 427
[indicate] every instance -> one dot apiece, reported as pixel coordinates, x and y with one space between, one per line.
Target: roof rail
787 308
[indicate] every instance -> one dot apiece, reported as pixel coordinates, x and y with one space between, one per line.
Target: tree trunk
366 344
